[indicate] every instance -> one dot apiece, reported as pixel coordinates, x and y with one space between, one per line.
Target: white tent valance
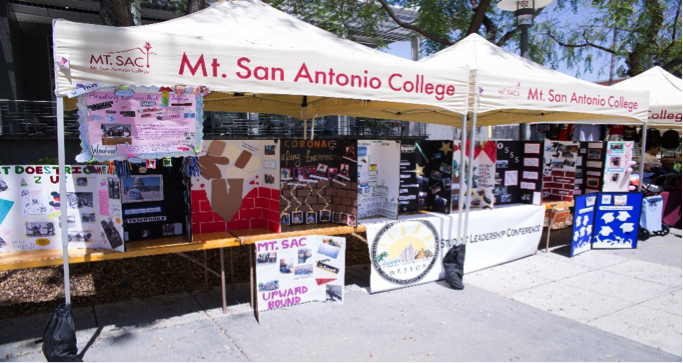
260 59
510 89
665 96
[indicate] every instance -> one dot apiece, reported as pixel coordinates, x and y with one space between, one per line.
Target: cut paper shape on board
104 201
608 217
623 216
578 222
585 220
323 281
5 206
605 231
627 227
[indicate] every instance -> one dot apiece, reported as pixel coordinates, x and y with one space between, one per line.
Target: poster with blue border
616 220
582 232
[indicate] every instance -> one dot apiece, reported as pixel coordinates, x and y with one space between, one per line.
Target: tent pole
463 142
304 129
643 148
62 196
470 171
312 127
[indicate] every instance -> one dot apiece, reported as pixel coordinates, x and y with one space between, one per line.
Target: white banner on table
293 271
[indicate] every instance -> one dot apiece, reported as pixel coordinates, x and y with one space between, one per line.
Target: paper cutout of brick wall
260 209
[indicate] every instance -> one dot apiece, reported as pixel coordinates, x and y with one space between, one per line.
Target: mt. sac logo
135 60
510 92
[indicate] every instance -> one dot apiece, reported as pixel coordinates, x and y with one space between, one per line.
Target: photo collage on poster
559 169
483 174
149 122
433 170
408 188
318 182
31 208
589 174
153 206
618 157
296 270
378 178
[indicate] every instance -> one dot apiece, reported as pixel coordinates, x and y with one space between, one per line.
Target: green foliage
48 161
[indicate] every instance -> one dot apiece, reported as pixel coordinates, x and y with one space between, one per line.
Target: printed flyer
378 178
147 122
294 271
30 208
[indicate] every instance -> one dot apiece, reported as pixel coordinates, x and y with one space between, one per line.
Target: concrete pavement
598 306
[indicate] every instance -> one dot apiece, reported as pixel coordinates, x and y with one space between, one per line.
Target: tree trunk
116 13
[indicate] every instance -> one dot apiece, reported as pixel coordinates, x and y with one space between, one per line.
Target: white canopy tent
253 58
666 96
508 89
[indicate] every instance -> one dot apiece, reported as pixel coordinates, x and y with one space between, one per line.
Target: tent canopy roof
256 58
665 95
511 89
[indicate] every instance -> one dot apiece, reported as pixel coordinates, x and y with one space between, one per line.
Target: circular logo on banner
134 194
404 252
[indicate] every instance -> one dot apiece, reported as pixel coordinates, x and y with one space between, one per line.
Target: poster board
618 157
408 185
147 122
617 220
30 208
238 187
582 230
433 169
293 271
559 169
152 201
404 253
483 174
319 182
590 169
379 163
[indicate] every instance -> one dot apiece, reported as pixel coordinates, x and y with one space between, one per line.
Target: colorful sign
483 174
619 155
616 220
31 207
294 271
559 170
582 232
145 122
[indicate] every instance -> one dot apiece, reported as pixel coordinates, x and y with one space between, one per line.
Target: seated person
667 176
651 163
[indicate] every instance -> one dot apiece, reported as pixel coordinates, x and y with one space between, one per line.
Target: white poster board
483 173
618 159
30 208
379 164
293 271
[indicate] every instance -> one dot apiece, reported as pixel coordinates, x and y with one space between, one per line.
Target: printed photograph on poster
40 229
511 178
344 218
325 216
594 164
617 147
330 248
446 182
79 235
594 154
285 174
266 258
82 182
303 271
114 188
506 198
615 161
530 175
614 177
115 134
351 152
304 254
142 188
332 173
171 229
269 286
298 217
285 219
422 198
344 170
336 217
269 149
501 164
286 266
311 217
298 173
578 174
620 200
333 293
532 148
439 200
321 169
352 220
80 200
532 162
33 201
606 199
592 182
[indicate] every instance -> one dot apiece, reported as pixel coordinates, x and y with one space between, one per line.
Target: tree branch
479 15
429 36
586 44
672 65
507 36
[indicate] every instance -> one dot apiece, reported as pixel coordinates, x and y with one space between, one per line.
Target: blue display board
582 232
616 220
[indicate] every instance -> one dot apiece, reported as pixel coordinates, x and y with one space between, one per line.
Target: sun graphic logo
404 252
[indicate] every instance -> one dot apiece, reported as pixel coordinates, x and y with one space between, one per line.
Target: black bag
453 265
670 139
630 133
59 339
